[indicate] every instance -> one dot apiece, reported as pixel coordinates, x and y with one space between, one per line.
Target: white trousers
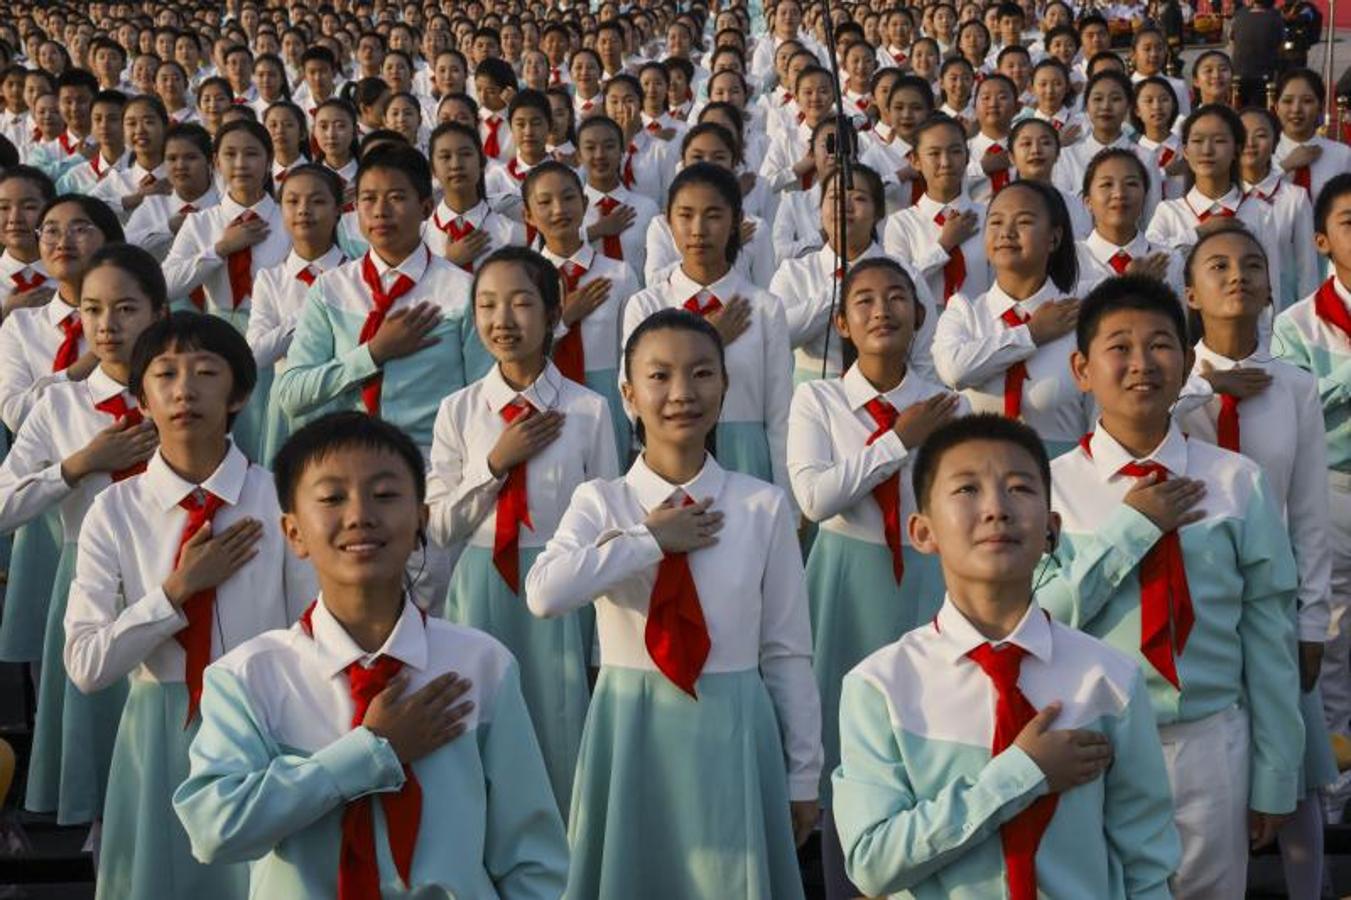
1207 762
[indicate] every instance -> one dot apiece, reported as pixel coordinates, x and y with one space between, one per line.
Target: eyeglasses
53 232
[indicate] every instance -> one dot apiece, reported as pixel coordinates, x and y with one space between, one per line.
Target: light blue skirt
744 447
552 655
32 569
680 798
250 427
857 608
145 849
606 383
1320 765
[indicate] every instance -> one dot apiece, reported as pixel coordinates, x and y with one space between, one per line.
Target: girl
957 78
1289 207
807 285
269 77
797 225
171 86
1154 117
939 236
310 202
335 139
995 104
1212 139
710 143
403 115
1034 148
594 288
222 249
562 144
1055 101
187 163
457 108
214 97
1106 104
507 453
586 97
1308 159
1213 79
287 125
704 214
42 347
924 61
369 96
860 61
849 445
1227 291
617 218
1149 55
758 199
89 433
973 42
24 282
46 151
464 227
1114 190
144 123
1008 349
910 102
686 609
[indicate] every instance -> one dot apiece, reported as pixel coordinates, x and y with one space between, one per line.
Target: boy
1315 334
105 122
923 787
987 172
1203 595
495 84
15 119
616 218
528 117
290 778
75 91
320 70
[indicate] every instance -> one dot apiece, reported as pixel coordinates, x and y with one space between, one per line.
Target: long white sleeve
965 356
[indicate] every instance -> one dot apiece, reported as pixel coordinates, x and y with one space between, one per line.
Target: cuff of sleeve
646 542
804 787
52 475
361 763
1196 392
1130 535
155 607
478 473
1314 624
1272 791
1012 775
891 447
360 363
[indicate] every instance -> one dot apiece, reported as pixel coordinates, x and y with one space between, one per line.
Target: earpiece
421 539
1052 539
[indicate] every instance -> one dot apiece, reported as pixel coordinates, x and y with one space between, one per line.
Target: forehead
1135 321
997 457
356 463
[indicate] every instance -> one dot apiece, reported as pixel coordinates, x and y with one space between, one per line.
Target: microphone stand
844 182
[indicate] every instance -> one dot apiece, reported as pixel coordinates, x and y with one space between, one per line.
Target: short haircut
1338 186
1128 292
498 71
34 176
143 268
109 98
967 430
319 53
334 433
673 319
1111 153
530 99
98 212
399 157
917 84
537 268
195 331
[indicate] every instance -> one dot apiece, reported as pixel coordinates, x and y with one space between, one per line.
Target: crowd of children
487 448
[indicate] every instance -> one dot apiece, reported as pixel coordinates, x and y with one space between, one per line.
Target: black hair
1214 229
1062 266
302 120
77 78
570 134
1012 50
239 111
318 53
1314 80
348 110
98 213
499 71
917 84
937 120
1106 56
530 99
215 81
1092 18
459 97
184 330
34 176
376 138
1063 31
1110 153
470 134
969 429
331 180
541 273
1338 186
599 121
109 98
143 268
1056 65
155 104
808 72
722 181
1033 122
1128 292
1236 128
848 350
334 433
399 157
364 91
625 80
673 319
1152 81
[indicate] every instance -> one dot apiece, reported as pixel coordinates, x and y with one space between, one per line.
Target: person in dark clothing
1255 38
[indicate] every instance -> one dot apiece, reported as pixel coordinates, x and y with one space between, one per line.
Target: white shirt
600 328
751 585
125 181
462 491
1170 149
797 224
121 622
973 349
192 260
1180 88
85 176
786 147
911 236
1071 166
759 362
502 184
14 271
833 467
755 262
632 240
1095 253
279 294
148 225
502 231
978 185
1334 159
506 146
653 163
29 340
1293 215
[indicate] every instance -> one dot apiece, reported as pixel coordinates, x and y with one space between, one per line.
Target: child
1227 293
939 236
797 222
286 124
335 141
586 86
24 281
1202 596
1149 54
648 160
528 117
910 102
1054 97
1315 334
213 102
171 86
595 288
464 228
1034 147
848 452
807 288
157 220
1155 116
1008 349
1107 100
687 611
507 453
105 127
403 116
144 122
370 96
1213 78
995 103
1289 207
789 164
175 567
1114 190
617 219
78 439
704 213
269 81
223 248
75 90
372 714
311 204
562 144
922 787
1308 159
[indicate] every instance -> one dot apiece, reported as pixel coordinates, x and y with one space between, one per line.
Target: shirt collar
1268 186
858 391
1109 456
1200 203
9 265
295 262
683 286
139 171
999 302
1224 363
57 310
414 265
542 393
263 208
206 201
652 490
584 257
227 482
1342 290
474 215
407 642
102 386
929 208
959 637
1103 249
